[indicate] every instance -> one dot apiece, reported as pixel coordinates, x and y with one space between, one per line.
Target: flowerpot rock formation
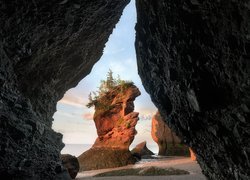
169 144
115 123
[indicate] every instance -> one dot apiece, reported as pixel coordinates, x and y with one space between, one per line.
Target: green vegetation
106 86
147 171
120 121
128 125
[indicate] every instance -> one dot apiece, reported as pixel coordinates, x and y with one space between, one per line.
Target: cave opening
193 59
75 121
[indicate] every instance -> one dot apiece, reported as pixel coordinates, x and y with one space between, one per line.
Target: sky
74 120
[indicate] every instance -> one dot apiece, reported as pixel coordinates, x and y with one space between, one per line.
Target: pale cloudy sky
74 120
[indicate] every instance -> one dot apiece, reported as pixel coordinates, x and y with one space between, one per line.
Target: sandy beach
175 162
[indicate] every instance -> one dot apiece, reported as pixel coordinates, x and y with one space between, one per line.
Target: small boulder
71 164
141 150
102 158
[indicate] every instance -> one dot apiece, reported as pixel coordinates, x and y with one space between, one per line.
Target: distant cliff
169 144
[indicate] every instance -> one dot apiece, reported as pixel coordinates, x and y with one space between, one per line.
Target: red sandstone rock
192 155
115 122
168 142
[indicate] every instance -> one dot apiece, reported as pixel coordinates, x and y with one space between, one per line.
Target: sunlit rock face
115 119
169 144
194 59
115 122
46 47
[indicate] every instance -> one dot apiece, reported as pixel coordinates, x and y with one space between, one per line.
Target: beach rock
71 164
115 123
193 58
102 158
169 144
141 150
46 48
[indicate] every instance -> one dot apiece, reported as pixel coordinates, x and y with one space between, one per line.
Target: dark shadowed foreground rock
194 60
115 123
71 164
169 144
141 150
46 47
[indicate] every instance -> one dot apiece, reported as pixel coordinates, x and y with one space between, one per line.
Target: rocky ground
175 162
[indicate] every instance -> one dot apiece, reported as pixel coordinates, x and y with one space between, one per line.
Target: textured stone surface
141 150
46 47
169 144
115 123
71 164
194 59
114 118
102 158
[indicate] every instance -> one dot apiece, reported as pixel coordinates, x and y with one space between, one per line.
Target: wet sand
175 162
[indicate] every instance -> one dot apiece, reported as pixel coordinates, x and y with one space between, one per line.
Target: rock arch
193 58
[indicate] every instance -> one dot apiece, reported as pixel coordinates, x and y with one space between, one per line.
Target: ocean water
78 149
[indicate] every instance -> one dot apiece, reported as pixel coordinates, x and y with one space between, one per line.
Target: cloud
65 114
79 137
88 116
145 117
73 100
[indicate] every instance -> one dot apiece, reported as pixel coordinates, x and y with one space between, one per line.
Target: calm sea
78 149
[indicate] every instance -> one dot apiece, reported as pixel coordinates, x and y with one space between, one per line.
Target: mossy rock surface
102 158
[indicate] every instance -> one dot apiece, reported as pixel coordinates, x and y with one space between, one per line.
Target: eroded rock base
101 158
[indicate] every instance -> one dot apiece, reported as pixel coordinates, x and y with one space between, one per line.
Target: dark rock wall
194 60
46 47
